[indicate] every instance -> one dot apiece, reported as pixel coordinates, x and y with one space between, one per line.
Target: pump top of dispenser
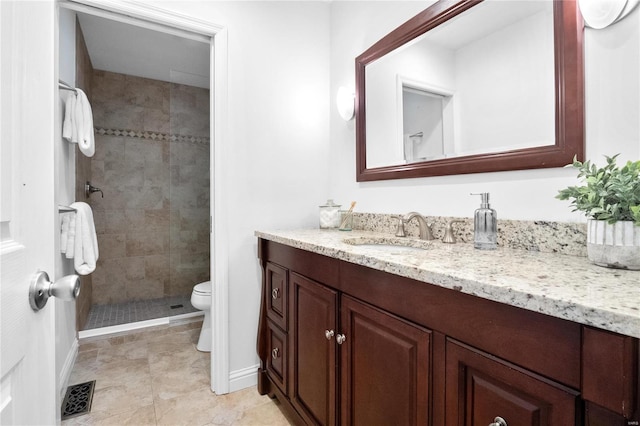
485 199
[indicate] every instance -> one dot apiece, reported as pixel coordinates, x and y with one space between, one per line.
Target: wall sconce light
346 103
600 14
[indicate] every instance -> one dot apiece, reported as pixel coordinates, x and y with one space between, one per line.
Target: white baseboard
65 373
243 378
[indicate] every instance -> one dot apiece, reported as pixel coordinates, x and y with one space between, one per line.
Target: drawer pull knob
340 338
275 353
328 334
499 421
275 293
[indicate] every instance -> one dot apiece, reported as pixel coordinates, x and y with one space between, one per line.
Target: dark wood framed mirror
566 81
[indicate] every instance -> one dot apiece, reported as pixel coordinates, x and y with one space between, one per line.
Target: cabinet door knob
340 338
275 293
328 334
499 421
275 353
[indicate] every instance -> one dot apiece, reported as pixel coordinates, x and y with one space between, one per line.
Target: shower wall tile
112 246
109 282
134 268
147 243
141 289
152 162
141 197
157 266
111 148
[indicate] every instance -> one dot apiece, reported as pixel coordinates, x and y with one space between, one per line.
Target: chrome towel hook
90 189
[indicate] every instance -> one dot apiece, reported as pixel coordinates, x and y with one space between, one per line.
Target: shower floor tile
141 310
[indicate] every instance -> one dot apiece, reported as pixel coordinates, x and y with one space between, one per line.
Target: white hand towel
68 126
71 237
86 241
86 141
64 232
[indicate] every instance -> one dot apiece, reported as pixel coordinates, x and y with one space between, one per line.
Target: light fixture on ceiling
345 100
600 14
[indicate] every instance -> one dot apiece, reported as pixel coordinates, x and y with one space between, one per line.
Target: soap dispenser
485 225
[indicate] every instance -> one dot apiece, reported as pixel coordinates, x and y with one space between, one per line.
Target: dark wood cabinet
384 367
313 350
374 348
480 388
344 344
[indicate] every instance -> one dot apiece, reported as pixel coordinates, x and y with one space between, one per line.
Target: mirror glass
476 90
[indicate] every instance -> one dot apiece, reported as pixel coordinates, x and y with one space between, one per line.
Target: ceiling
128 49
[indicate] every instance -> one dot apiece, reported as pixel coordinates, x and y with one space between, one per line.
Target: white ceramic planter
614 246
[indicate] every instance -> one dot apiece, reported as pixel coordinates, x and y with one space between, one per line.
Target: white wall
65 193
276 165
505 88
612 115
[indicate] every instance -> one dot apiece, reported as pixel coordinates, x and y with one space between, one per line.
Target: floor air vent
77 400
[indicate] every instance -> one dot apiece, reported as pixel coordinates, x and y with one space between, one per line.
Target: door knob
66 288
340 338
328 334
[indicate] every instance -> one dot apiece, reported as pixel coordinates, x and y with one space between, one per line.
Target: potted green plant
610 198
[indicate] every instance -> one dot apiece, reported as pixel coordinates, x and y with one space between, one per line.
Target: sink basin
389 244
390 247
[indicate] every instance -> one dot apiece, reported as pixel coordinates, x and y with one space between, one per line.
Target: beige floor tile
124 397
173 342
192 408
265 414
243 400
121 372
143 416
158 377
179 381
129 351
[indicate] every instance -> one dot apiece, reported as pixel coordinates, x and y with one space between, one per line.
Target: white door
27 210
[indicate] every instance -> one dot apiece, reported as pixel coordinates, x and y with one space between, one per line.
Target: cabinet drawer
277 358
481 387
277 295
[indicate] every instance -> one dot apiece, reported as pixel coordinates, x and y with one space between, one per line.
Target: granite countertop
567 287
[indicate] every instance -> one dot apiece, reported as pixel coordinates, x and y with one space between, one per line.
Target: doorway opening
149 92
215 35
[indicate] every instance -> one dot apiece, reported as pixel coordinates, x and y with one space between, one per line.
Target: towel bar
65 209
64 86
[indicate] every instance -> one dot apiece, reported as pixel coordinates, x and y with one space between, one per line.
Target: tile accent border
156 136
541 236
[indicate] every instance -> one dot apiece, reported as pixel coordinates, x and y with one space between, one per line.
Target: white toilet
201 299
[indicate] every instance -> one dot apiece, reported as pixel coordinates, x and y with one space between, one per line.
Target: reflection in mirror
487 83
496 62
422 124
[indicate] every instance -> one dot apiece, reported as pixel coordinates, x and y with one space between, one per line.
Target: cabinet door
385 364
313 355
480 387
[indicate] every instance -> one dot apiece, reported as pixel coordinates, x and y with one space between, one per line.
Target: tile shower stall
152 164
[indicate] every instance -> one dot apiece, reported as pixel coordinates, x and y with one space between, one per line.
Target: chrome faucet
425 228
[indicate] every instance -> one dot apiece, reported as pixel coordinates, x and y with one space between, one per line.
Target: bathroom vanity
447 335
